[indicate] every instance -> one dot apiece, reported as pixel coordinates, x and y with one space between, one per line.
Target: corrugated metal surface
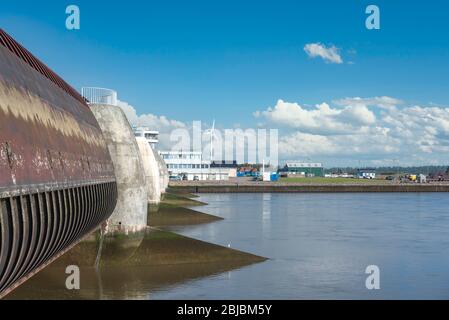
57 179
37 228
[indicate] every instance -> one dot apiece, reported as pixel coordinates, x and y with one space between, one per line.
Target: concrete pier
130 214
152 174
163 172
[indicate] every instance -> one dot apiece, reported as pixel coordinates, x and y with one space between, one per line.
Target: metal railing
99 95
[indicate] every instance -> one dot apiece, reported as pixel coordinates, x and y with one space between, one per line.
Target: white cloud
302 145
329 54
320 119
374 129
162 124
148 120
384 102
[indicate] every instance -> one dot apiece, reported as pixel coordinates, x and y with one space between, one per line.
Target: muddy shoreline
162 259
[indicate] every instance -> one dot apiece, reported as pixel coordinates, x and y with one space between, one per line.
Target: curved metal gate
57 180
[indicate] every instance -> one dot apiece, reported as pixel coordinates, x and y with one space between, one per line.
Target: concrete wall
279 187
152 174
130 214
163 172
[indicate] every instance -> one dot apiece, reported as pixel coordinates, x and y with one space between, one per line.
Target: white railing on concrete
99 95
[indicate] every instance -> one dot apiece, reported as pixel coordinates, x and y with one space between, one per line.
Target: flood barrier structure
152 175
130 214
57 181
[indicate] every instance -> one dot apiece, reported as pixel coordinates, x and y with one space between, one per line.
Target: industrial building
305 169
367 173
226 166
188 165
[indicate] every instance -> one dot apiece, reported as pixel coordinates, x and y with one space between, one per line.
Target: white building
366 174
187 164
151 136
191 166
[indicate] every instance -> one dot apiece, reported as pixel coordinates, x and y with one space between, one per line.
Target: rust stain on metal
38 119
57 179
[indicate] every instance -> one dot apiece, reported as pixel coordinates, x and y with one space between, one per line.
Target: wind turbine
211 132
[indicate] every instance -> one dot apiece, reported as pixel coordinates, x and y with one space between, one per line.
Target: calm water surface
319 246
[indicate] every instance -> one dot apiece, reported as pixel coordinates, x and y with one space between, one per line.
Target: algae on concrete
181 192
176 199
172 215
163 259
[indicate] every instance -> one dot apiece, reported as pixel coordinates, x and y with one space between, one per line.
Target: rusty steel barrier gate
57 181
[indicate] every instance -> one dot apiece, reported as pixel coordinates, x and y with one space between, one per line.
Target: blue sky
198 60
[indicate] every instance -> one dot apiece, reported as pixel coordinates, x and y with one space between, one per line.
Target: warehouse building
367 173
305 169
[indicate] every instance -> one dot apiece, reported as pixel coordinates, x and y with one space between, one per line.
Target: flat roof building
367 173
308 169
152 136
190 165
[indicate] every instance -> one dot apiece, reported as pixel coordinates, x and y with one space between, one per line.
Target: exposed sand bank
163 258
181 200
171 215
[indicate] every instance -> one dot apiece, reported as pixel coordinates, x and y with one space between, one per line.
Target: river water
320 245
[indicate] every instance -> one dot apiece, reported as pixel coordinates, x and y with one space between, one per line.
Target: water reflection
266 213
117 283
320 245
163 260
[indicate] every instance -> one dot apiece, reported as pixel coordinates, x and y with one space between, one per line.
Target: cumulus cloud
342 132
159 123
329 54
374 129
148 120
311 145
384 102
321 119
